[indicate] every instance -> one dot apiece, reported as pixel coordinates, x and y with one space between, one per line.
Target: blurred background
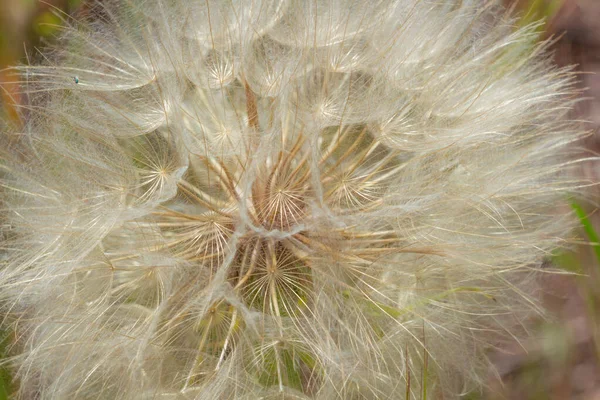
25 25
561 361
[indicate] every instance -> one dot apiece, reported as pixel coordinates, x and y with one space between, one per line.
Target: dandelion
280 199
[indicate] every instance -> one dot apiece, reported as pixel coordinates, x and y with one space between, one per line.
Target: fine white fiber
280 199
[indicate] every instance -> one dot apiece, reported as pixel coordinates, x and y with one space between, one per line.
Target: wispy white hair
299 199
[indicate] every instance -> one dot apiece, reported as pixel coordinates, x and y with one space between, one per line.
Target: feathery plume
280 199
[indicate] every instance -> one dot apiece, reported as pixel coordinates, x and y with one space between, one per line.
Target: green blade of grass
588 228
590 297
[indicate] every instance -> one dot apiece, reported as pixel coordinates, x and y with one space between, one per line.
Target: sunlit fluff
279 199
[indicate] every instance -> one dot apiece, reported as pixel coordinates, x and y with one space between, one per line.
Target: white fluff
280 199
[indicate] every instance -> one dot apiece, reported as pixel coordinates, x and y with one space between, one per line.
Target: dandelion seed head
280 199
